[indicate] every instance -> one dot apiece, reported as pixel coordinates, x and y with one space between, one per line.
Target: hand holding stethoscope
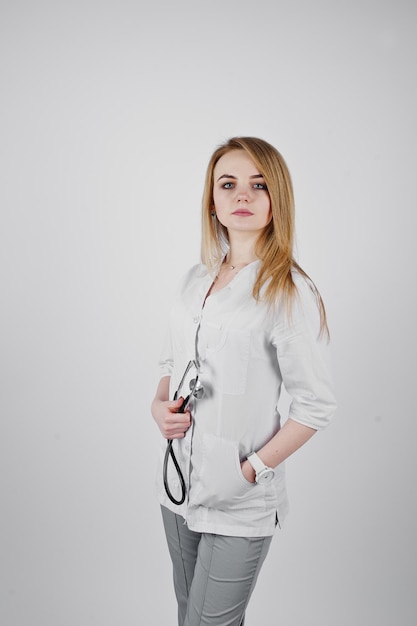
195 391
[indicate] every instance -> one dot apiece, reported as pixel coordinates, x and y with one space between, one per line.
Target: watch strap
256 462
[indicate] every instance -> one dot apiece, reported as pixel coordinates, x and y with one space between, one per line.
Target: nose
243 196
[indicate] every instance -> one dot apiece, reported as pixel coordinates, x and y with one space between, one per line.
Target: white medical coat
245 354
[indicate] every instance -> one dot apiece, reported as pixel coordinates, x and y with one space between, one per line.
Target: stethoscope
196 391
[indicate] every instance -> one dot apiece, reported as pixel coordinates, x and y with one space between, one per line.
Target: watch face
265 476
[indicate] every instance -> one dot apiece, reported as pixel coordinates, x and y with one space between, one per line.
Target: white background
109 114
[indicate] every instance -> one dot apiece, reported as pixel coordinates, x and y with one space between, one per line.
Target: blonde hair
275 244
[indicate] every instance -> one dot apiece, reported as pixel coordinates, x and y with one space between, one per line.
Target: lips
242 212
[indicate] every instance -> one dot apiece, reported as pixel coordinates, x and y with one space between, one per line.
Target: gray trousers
214 575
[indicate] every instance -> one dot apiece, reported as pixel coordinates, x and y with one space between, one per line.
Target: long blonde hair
275 244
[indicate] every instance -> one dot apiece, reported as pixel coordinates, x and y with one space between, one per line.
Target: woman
248 319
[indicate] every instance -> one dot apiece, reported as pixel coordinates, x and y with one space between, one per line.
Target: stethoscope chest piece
196 388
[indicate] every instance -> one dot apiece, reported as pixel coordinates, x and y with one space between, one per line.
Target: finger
176 428
178 418
174 405
176 436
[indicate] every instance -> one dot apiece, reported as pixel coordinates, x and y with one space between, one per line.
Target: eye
227 185
260 186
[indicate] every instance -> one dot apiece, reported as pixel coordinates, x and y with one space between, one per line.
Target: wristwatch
264 474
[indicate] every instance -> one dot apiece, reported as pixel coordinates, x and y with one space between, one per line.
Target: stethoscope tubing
169 452
196 391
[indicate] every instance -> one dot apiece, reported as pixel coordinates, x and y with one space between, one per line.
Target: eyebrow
235 177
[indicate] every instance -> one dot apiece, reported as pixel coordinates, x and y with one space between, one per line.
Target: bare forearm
289 439
162 391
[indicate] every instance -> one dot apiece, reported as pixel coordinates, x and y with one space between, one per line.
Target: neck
241 252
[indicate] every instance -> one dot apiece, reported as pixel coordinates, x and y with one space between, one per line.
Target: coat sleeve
166 358
303 359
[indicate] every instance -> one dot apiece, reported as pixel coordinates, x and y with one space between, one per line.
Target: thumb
178 402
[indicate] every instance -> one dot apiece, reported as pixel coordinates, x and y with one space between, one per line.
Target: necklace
238 265
224 276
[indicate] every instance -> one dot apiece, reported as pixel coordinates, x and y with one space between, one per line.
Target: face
241 198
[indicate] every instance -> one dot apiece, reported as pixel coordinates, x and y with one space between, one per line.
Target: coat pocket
219 483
